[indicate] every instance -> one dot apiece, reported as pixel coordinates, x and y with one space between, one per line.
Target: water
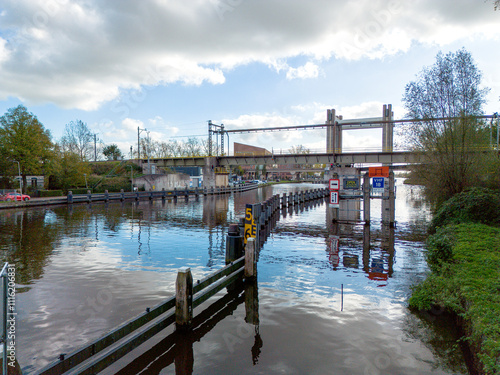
316 309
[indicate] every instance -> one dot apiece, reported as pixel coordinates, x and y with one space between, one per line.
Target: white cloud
313 139
309 70
81 54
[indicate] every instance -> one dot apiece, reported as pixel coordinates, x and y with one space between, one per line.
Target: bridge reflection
376 261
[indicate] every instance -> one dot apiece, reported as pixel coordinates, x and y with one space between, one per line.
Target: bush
50 193
440 248
477 205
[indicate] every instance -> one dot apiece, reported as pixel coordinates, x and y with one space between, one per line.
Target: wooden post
250 259
106 195
89 196
70 197
366 198
122 195
184 298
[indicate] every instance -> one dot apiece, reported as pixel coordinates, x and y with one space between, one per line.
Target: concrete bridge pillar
387 129
333 133
209 180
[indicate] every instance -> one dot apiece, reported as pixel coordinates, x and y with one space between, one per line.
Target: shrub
50 193
440 248
477 205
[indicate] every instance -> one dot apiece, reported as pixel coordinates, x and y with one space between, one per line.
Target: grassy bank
465 279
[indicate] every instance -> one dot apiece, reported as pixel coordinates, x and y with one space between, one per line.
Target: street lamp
20 178
131 177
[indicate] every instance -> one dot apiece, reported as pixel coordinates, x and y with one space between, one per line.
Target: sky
169 66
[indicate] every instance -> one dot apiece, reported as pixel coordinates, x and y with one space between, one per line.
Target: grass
465 279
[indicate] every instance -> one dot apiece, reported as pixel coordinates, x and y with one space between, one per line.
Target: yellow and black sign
250 227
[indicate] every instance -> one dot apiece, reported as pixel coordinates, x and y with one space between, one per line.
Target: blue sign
378 182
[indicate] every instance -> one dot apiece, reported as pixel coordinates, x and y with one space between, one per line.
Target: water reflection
70 258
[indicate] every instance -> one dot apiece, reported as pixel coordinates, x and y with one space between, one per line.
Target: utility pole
20 177
216 132
139 131
95 147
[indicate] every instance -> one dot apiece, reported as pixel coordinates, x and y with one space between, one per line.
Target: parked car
15 197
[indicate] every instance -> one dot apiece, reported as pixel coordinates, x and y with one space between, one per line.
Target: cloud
309 70
81 54
313 139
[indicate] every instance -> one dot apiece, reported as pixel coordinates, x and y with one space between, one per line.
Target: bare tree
78 139
299 149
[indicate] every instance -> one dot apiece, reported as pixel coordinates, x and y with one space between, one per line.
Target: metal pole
86 185
95 147
209 137
20 177
149 150
131 178
138 144
222 138
3 277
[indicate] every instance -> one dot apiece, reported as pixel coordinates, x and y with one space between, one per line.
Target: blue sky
169 66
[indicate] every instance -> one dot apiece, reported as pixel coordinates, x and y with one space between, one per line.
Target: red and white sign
334 184
334 197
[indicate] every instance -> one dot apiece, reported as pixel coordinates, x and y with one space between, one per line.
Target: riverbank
465 280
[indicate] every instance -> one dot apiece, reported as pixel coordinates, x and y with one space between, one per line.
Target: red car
16 197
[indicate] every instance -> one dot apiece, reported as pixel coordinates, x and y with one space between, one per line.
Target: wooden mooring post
184 298
250 259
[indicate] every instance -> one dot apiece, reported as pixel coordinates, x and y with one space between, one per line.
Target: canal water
330 298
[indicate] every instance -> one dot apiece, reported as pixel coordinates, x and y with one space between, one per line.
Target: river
321 308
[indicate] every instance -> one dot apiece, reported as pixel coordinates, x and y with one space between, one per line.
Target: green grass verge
465 279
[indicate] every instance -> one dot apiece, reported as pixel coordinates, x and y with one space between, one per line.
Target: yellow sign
250 227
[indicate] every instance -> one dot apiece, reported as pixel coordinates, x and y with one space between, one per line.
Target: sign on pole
334 197
334 184
378 171
250 227
378 185
351 183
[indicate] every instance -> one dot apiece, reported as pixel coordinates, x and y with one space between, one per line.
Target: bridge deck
398 157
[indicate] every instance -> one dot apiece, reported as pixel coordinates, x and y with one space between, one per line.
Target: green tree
24 139
445 97
112 152
68 171
78 139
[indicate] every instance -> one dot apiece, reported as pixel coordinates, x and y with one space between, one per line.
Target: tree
78 138
112 152
444 100
24 139
299 149
68 171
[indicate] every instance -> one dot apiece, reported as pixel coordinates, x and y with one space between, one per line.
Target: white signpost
334 192
334 198
334 184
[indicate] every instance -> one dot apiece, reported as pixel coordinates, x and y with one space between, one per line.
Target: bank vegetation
463 253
